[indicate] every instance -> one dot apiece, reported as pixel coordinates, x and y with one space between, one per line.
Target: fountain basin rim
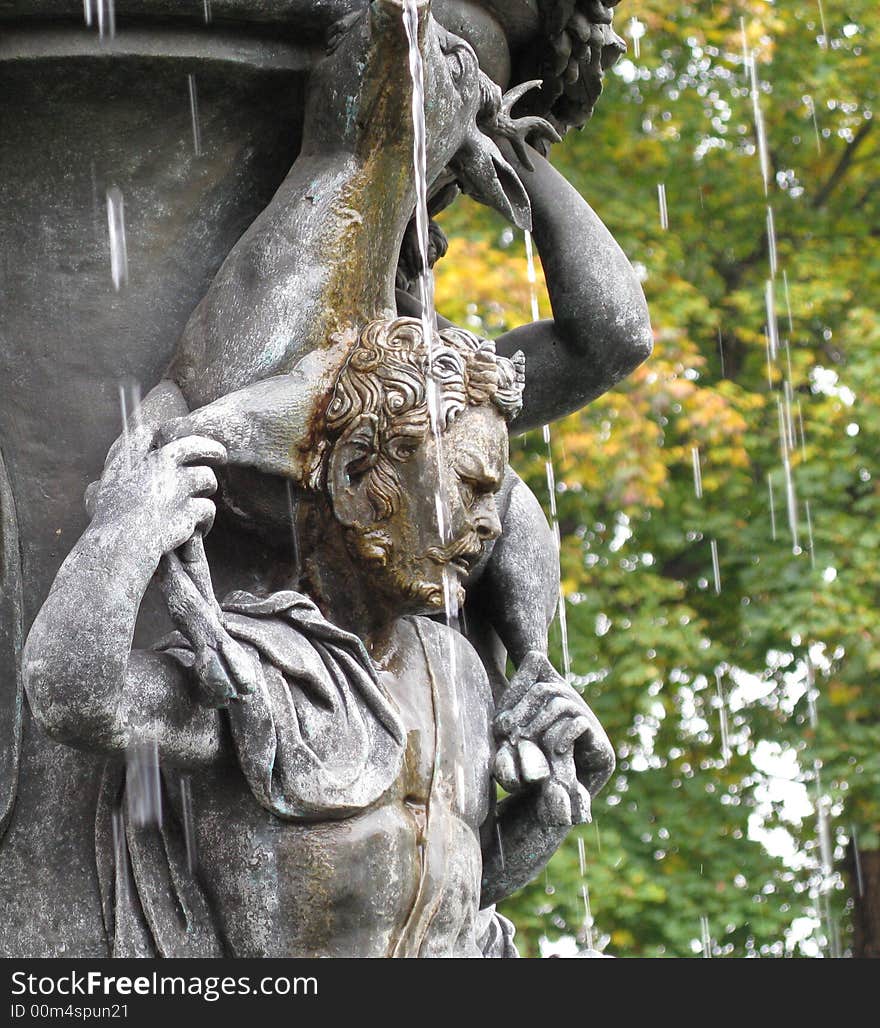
53 43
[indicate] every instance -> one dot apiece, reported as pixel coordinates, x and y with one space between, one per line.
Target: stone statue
340 804
348 738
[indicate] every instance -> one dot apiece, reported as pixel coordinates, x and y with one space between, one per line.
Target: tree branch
846 159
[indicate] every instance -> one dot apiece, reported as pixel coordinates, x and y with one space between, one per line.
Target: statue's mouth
462 554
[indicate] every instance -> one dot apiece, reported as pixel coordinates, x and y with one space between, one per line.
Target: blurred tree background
741 693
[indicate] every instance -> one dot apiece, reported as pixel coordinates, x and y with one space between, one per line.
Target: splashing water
425 284
116 231
726 751
428 317
811 106
810 534
588 917
771 240
787 301
532 276
772 507
425 278
790 494
716 567
661 201
106 17
751 63
194 114
857 860
823 42
120 852
823 817
127 414
292 507
142 783
636 29
705 937
698 474
772 324
801 430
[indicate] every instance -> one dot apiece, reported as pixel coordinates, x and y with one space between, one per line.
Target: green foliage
652 643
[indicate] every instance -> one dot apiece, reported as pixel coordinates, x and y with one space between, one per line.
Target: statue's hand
500 122
159 495
547 736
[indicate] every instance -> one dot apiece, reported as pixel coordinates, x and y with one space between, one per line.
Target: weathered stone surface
271 252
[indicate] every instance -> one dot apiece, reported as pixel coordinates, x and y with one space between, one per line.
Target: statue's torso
402 878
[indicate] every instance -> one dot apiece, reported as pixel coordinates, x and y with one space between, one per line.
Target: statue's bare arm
600 330
86 686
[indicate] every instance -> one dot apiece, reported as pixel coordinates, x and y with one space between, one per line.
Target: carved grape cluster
579 45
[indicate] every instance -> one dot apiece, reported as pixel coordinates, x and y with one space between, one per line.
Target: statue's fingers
524 712
532 667
581 805
557 708
554 805
201 481
560 737
185 603
195 561
214 685
532 761
195 449
134 443
204 511
506 768
243 665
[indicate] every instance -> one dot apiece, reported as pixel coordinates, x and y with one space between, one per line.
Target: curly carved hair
389 373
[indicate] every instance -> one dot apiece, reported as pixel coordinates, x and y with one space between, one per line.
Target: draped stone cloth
317 740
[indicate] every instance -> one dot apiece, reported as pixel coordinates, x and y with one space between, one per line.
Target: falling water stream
425 285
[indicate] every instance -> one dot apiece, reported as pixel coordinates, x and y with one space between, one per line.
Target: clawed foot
518 130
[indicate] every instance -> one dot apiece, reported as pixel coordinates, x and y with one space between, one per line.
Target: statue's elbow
641 339
58 704
631 338
46 697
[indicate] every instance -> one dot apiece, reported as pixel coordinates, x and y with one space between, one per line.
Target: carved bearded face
447 515
419 508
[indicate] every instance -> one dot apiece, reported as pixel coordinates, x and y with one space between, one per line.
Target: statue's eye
403 450
467 492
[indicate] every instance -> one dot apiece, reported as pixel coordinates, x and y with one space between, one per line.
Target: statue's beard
374 548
